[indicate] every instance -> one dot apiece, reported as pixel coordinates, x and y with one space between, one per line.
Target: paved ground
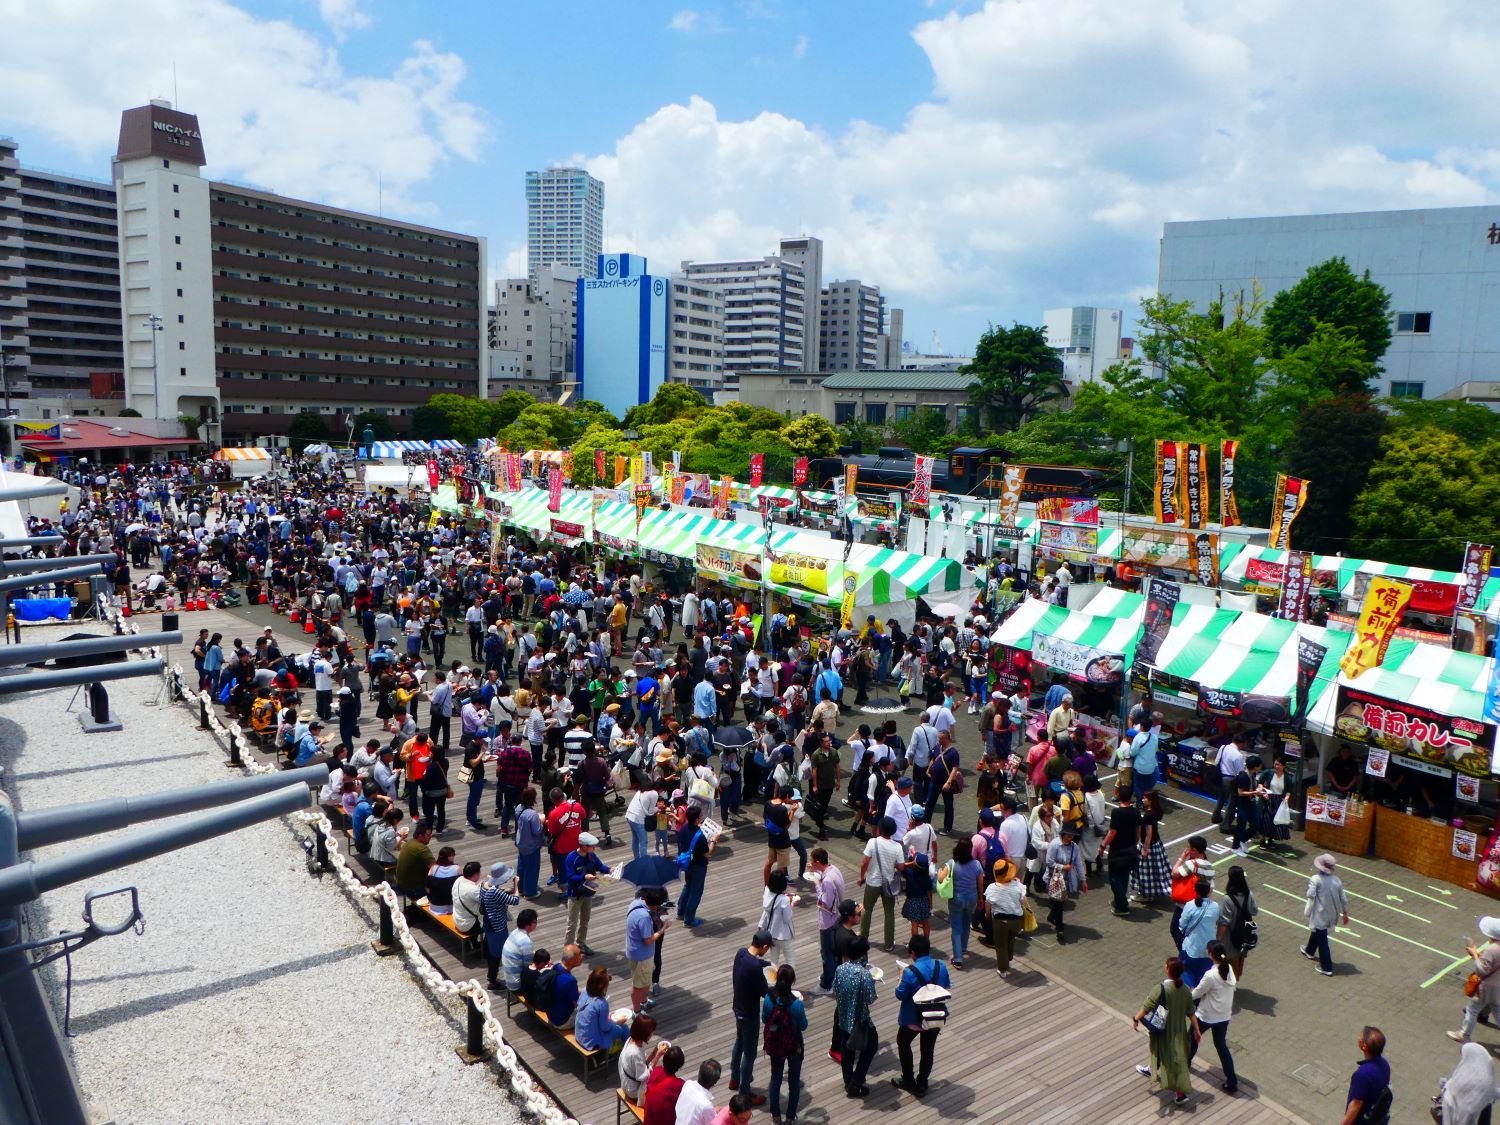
1294 1032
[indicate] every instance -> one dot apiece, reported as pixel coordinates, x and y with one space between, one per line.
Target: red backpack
782 1039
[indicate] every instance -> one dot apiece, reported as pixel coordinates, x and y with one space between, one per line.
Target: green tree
924 432
378 423
1016 373
1473 423
508 407
130 412
429 423
1331 295
811 435
1428 493
1334 442
307 426
591 412
670 401
863 436
542 425
469 418
597 436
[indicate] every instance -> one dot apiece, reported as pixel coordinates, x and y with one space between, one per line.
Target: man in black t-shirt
1122 844
778 833
1343 773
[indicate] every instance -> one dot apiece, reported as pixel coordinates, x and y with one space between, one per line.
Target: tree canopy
307 426
1016 373
1330 297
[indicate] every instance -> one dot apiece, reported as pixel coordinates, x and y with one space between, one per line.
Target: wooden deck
1030 1050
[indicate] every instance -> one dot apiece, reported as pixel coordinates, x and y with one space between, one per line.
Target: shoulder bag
1155 1018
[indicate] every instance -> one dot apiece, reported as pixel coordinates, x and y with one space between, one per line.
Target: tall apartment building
765 313
1088 339
853 316
59 284
807 252
564 220
696 325
265 306
892 345
532 330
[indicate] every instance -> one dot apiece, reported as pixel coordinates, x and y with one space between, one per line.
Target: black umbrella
651 871
728 738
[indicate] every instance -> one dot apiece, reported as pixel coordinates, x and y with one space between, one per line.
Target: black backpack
544 988
1244 935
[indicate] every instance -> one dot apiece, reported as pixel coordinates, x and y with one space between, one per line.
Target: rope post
322 846
473 1050
234 762
202 713
386 944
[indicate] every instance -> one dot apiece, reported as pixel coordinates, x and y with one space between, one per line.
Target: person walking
1120 842
748 980
530 836
1214 995
1326 906
1246 796
880 876
1004 902
1153 874
692 843
1484 964
640 812
474 758
495 899
1231 761
1237 929
1169 1007
643 929
1469 1091
1369 1098
1200 924
776 919
1064 876
581 871
966 872
830 882
785 1020
854 990
923 971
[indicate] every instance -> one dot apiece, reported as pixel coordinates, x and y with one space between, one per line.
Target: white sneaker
1242 851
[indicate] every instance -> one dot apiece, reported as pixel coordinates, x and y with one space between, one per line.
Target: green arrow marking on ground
1393 898
1440 890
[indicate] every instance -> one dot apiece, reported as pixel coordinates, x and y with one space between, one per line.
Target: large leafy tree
307 426
670 401
598 436
812 435
429 423
1429 492
926 431
508 407
1334 442
1015 374
376 422
1473 423
1330 296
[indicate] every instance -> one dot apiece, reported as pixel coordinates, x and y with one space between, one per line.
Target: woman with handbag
435 793
1275 811
1005 903
1043 833
1168 1016
1483 985
1064 864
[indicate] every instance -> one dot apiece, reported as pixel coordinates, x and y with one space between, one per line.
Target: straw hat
1004 871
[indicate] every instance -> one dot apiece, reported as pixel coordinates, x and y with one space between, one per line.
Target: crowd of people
581 694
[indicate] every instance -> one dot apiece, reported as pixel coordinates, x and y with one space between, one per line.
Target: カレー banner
1379 616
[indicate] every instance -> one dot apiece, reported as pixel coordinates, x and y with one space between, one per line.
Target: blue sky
979 161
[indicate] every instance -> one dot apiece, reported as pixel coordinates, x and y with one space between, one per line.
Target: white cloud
343 16
685 21
1061 134
799 48
275 105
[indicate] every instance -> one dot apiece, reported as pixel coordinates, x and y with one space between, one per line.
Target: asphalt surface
1399 965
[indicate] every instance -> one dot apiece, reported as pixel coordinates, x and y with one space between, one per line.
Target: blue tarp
40 609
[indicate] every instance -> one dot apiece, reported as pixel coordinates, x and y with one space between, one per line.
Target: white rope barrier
537 1105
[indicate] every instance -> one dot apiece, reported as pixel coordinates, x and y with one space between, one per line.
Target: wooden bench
591 1059
623 1105
466 943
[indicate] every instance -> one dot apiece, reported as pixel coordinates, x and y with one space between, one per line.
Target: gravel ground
253 995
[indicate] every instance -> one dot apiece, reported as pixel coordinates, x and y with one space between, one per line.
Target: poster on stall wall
1194 507
846 607
1296 587
1010 670
1335 810
1466 788
799 471
1286 505
921 481
757 469
1385 600
1477 559
1316 808
1417 733
1229 508
1079 661
1167 550
1377 761
1310 655
1472 632
1068 509
679 488
916 535
721 498
1161 600
1166 482
1488 876
1465 844
554 488
1010 494
807 572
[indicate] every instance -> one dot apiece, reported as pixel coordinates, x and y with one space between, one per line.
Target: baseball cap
762 937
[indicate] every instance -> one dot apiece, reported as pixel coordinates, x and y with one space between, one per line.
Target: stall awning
447 444
383 450
1254 655
1111 622
315 448
243 453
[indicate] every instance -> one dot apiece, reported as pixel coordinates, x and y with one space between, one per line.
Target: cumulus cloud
1060 134
343 16
799 48
685 20
276 106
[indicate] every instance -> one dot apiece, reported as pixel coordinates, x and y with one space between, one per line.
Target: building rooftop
898 381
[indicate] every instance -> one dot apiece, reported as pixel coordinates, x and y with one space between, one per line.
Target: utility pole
156 326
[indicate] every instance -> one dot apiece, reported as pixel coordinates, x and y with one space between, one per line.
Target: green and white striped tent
1234 571
1110 622
1250 653
678 533
1422 674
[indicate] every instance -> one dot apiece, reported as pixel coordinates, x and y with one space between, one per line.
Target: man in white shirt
695 1105
1014 831
880 876
898 808
1231 763
940 718
466 908
323 685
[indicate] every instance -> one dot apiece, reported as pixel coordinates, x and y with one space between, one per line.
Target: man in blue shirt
562 1005
308 746
1143 751
749 984
581 871
1372 1077
706 703
647 692
644 927
923 970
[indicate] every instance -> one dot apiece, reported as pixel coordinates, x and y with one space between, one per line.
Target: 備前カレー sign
1414 732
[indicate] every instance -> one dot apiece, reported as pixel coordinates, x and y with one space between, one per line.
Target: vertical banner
1161 600
637 472
679 488
1229 507
1204 556
1310 656
515 472
677 460
1286 504
645 467
432 474
851 481
1378 618
1477 560
1296 585
1010 494
1166 482
757 469
721 498
799 471
953 545
846 606
921 481
567 466
916 535
621 468
599 467
554 488
1194 508
839 494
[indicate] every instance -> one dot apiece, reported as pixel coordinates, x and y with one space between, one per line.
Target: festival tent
1110 622
247 461
393 450
1253 654
1346 569
1424 675
447 445
396 476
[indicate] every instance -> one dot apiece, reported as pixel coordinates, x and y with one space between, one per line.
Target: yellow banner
851 478
846 608
806 571
637 472
1378 618
620 469
1286 505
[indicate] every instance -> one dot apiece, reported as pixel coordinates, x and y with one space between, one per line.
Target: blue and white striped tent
392 450
447 445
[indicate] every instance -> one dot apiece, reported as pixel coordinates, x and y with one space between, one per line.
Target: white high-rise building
564 220
532 326
696 325
166 264
1088 339
765 313
853 316
807 252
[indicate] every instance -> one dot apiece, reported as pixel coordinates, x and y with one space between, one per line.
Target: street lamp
156 326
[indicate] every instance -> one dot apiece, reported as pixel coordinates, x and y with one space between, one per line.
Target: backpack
782 1039
545 986
932 1007
1244 935
994 849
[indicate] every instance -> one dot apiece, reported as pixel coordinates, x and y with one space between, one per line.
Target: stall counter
1350 838
1424 846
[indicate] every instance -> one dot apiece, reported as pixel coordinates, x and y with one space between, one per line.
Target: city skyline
979 163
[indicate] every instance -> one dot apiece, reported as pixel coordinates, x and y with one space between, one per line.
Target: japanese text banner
1385 600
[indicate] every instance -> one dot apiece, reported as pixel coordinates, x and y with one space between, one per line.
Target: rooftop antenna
380 194
175 103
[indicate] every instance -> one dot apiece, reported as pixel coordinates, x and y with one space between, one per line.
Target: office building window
843 412
1414 323
176 188
875 413
905 412
1406 389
